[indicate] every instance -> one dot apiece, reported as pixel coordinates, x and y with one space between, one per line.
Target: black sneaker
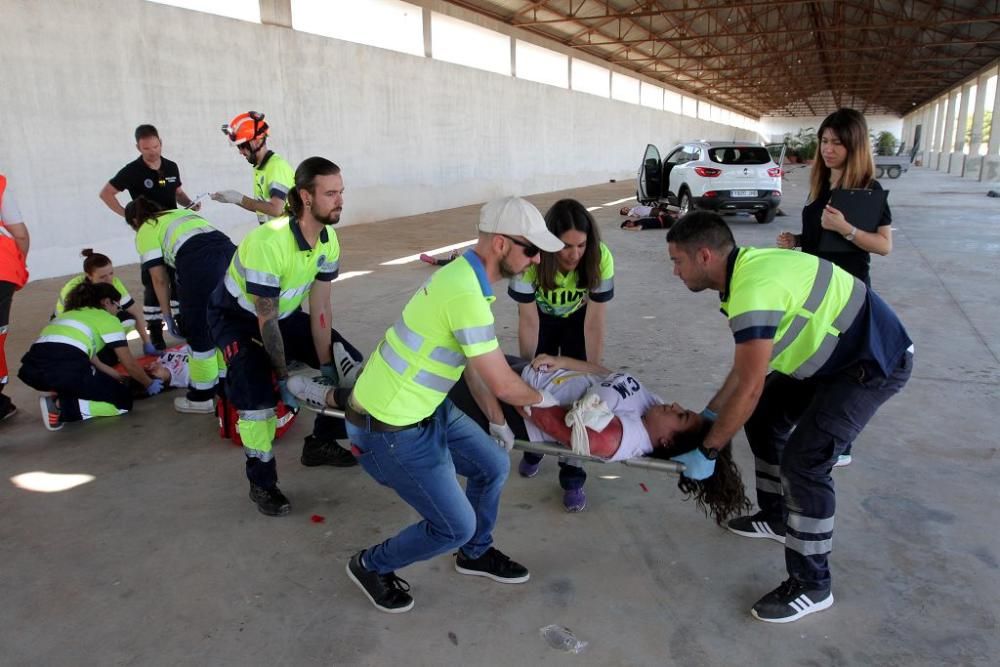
493 564
791 601
387 592
316 452
757 525
7 411
271 502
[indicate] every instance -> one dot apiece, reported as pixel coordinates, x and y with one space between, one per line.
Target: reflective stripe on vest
821 285
422 377
64 340
171 246
261 278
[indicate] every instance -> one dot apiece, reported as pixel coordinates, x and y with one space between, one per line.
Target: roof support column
994 146
956 165
276 12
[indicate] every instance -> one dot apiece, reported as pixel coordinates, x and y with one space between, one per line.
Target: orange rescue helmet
246 127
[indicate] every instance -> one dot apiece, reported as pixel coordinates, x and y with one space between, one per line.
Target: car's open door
777 152
650 178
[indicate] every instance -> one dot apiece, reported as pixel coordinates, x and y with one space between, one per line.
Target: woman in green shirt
63 361
97 268
562 305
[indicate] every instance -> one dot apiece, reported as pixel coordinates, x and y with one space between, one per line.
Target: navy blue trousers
249 383
796 432
68 372
201 264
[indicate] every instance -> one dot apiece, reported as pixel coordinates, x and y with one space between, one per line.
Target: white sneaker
182 404
309 390
348 368
843 460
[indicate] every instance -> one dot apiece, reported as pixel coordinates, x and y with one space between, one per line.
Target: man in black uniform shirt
158 179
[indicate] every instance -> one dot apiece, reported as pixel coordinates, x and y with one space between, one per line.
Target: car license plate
744 193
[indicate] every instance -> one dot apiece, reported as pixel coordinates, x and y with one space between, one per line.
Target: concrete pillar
930 133
276 12
948 130
956 163
976 140
973 161
513 57
940 109
994 146
428 47
990 172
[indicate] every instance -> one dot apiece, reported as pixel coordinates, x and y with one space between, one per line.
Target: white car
723 176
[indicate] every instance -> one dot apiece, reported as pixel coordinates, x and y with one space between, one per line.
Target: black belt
369 423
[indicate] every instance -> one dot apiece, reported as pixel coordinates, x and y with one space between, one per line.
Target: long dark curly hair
722 496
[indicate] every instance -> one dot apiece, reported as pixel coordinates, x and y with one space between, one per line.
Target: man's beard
505 270
331 218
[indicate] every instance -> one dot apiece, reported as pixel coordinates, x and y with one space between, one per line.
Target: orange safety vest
12 266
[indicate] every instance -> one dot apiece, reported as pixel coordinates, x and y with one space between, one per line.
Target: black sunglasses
529 249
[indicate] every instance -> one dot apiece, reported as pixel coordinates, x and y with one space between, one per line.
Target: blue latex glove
287 397
155 387
172 326
696 466
149 348
329 372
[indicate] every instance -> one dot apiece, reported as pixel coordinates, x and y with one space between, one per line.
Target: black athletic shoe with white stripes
791 601
758 525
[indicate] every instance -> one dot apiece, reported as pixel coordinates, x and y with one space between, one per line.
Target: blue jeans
420 464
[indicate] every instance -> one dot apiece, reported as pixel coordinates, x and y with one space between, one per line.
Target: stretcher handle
647 462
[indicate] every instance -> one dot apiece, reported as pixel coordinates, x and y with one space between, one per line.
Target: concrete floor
162 559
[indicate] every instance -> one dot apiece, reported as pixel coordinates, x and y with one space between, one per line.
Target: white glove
503 435
228 196
548 401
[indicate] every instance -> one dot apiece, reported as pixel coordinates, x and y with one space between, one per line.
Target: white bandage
588 412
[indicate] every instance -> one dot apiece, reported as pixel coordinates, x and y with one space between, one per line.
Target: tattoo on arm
267 316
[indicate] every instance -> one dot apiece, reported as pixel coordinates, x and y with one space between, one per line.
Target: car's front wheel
766 216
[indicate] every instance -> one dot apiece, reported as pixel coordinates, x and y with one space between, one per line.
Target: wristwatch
709 453
850 236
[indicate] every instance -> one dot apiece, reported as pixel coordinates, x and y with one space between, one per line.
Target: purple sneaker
574 500
528 469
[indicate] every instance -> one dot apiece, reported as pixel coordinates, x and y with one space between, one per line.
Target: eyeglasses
529 249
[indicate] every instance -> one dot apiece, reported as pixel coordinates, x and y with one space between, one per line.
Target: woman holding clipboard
844 162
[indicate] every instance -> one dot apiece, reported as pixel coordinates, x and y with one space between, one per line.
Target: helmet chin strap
252 152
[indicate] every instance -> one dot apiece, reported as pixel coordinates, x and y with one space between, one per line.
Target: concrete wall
412 134
775 127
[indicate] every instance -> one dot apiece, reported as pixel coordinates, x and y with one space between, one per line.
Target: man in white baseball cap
514 217
409 436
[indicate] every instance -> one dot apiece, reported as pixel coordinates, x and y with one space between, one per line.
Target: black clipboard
862 208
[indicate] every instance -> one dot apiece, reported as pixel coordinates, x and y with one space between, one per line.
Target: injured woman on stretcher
629 421
635 421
